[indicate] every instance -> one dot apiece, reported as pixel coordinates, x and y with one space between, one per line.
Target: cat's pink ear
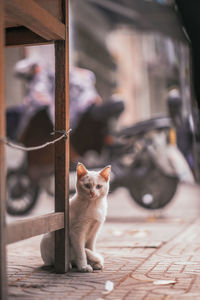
105 173
81 170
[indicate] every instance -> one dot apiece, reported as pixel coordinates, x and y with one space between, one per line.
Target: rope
17 146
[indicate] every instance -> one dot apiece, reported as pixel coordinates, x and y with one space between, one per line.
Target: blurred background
132 105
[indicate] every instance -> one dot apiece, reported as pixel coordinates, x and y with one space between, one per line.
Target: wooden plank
3 280
62 148
24 229
54 7
10 22
22 36
36 18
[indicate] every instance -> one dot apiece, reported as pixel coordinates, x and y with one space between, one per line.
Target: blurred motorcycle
149 164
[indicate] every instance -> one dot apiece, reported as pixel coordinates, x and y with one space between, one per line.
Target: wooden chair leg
62 150
3 280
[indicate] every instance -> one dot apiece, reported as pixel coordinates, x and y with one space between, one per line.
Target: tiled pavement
140 252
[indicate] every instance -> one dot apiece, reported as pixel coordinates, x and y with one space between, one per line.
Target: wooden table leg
62 149
3 280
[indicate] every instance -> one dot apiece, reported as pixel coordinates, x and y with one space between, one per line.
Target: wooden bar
3 280
53 7
22 36
37 19
24 229
38 27
62 149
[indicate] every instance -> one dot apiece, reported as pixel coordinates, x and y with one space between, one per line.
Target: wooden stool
35 22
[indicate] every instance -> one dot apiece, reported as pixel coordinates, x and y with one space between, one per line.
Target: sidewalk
140 252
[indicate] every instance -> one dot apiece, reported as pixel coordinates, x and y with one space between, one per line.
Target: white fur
88 209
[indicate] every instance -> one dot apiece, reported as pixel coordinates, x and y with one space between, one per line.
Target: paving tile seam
191 284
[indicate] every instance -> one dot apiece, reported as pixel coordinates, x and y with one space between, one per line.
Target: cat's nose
92 194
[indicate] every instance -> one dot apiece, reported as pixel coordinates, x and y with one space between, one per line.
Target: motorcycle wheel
152 189
22 193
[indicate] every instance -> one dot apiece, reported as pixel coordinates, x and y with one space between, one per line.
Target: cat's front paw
97 266
85 269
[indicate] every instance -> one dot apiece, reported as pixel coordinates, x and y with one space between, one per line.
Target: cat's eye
98 186
87 185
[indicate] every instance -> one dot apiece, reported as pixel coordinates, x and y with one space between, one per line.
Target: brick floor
138 252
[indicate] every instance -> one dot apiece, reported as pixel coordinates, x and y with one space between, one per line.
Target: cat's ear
81 170
105 173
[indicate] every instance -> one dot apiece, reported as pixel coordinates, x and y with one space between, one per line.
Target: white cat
88 209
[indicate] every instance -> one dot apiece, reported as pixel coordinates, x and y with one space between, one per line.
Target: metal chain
17 146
